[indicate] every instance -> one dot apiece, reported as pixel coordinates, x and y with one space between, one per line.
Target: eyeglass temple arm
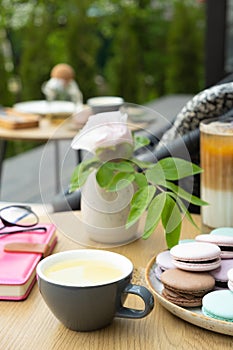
29 229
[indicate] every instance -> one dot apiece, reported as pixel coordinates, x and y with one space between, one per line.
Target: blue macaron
223 231
219 305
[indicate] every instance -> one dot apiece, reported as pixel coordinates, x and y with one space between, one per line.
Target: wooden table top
30 325
46 131
53 128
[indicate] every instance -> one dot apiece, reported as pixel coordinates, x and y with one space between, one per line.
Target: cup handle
145 295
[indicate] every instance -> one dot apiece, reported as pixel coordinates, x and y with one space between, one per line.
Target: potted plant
112 174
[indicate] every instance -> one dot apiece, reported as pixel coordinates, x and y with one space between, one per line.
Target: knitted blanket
209 103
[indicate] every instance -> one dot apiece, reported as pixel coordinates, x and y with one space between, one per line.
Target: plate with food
194 315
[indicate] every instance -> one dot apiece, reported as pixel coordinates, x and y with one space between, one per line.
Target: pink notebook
18 268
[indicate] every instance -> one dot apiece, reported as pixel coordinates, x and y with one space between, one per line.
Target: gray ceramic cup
91 307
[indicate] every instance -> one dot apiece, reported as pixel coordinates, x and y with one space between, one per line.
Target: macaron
163 263
186 288
219 305
222 231
221 273
196 256
186 240
224 242
230 279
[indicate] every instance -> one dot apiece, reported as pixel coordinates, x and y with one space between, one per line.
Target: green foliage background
138 49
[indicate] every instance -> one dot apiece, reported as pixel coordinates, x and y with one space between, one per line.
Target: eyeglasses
20 216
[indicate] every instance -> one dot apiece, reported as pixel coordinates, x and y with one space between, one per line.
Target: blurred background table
44 107
45 132
55 124
159 116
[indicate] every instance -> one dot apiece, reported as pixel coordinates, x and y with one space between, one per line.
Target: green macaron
223 231
219 305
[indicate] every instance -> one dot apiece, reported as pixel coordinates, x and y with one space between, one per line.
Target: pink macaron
196 256
221 273
163 263
225 243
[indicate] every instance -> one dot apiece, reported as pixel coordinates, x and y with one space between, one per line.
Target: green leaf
139 204
171 220
119 150
184 194
184 210
140 180
155 175
140 141
172 237
140 164
81 173
80 181
122 166
154 214
108 170
176 168
92 162
104 175
187 213
120 181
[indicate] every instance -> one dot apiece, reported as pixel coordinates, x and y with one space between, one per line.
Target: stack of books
19 256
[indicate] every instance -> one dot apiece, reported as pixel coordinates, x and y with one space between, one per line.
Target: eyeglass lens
16 215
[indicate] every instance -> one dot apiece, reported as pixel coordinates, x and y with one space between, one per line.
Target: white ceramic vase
104 214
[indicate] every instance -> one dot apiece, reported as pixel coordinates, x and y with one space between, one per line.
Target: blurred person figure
61 86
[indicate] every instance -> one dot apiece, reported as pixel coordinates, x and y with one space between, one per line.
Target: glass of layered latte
217 178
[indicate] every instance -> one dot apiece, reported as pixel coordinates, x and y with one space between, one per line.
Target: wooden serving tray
11 119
